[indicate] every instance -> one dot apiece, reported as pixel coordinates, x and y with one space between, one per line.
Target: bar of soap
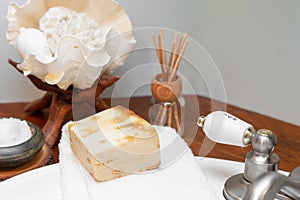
114 143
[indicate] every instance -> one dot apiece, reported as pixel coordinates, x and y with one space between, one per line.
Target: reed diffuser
166 87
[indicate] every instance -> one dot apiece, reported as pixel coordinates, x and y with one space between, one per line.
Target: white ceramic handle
222 127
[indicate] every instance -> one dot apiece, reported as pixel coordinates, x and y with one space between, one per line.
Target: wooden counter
288 146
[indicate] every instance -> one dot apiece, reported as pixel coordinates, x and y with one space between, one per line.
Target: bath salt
13 131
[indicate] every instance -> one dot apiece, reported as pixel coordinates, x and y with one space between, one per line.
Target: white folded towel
179 178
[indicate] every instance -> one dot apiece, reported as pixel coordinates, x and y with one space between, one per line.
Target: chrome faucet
260 180
274 185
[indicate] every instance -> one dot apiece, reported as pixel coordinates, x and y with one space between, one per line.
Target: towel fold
179 177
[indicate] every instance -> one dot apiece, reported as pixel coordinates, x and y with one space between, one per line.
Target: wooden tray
39 160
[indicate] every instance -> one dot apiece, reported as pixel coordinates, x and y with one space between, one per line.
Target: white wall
13 86
255 44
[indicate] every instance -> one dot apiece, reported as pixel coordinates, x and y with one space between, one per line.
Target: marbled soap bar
114 143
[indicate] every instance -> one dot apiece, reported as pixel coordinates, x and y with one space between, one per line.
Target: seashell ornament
70 43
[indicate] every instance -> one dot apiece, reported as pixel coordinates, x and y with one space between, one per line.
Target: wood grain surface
288 146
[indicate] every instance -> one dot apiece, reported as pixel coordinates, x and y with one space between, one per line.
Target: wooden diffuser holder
167 86
167 94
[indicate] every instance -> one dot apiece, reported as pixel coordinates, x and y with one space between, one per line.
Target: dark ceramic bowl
17 155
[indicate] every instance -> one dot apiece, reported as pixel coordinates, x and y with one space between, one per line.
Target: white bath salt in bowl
13 132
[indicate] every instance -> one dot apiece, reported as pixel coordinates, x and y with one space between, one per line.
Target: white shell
33 41
71 61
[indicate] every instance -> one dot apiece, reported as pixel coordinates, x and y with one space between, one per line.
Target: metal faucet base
236 187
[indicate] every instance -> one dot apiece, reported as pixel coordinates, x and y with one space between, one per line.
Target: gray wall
255 45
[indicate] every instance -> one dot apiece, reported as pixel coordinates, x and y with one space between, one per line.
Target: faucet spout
269 184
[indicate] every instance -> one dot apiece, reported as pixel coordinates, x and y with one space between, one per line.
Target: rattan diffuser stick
181 51
169 68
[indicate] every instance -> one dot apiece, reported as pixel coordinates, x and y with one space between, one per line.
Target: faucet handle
222 127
